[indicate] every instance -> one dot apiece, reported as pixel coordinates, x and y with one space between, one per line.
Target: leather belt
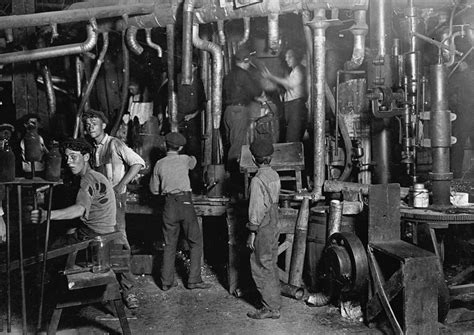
178 193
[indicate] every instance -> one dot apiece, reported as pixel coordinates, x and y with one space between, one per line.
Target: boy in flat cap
171 178
119 164
264 233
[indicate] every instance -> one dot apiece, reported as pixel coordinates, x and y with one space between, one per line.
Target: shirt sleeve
257 207
192 162
84 197
155 181
129 156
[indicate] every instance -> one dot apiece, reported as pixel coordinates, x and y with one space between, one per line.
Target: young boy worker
119 164
171 178
264 233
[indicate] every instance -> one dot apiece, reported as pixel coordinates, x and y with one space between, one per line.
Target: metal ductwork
187 53
273 33
217 76
246 35
57 51
359 30
132 41
151 44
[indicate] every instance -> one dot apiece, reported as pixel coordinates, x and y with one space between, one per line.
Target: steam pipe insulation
359 30
57 51
222 43
90 85
132 40
208 112
246 35
440 133
217 67
125 83
74 15
151 44
273 33
186 63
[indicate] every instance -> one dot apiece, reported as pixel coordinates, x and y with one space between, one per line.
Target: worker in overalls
264 233
120 164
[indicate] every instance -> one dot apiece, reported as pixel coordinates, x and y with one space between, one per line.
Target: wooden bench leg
54 323
122 317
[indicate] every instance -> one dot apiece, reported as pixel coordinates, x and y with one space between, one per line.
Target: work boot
264 313
168 287
199 286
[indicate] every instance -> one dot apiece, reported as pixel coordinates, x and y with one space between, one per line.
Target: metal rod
22 269
45 254
90 85
9 295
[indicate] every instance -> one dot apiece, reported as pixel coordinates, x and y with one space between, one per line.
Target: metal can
420 196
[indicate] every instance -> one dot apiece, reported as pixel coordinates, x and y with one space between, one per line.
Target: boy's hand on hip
251 241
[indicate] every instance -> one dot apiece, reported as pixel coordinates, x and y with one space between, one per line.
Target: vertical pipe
45 256
9 295
359 30
273 33
335 217
186 64
22 269
172 104
207 128
125 82
48 83
299 244
440 133
246 35
222 43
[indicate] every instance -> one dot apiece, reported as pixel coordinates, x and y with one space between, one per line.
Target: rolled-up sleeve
129 156
84 198
257 207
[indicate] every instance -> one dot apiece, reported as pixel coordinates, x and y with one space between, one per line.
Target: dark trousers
296 117
263 261
179 214
236 121
125 279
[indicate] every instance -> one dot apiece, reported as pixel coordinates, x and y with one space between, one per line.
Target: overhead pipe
186 63
57 51
217 67
132 40
125 83
90 85
172 102
74 15
359 30
246 35
151 44
273 33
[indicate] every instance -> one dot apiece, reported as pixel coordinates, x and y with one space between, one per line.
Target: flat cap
261 148
242 54
175 139
95 113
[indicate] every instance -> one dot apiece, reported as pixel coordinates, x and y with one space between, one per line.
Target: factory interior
374 214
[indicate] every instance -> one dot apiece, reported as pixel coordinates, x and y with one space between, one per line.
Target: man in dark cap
171 178
95 201
264 233
240 90
119 164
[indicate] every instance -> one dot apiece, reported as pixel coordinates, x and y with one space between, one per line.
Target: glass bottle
32 141
7 162
53 163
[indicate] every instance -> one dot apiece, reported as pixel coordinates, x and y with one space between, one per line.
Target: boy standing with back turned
264 233
171 178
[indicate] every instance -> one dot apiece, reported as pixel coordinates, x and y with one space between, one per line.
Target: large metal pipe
132 40
440 133
151 44
186 64
205 76
246 35
273 33
217 67
359 30
299 245
48 84
57 51
125 83
223 44
74 15
90 85
172 103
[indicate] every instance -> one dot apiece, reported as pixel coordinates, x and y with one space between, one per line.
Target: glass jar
53 163
33 149
7 162
100 255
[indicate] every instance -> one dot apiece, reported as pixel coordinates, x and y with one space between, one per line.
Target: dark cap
95 113
261 148
7 126
242 54
175 139
77 144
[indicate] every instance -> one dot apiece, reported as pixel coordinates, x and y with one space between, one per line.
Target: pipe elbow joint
132 40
